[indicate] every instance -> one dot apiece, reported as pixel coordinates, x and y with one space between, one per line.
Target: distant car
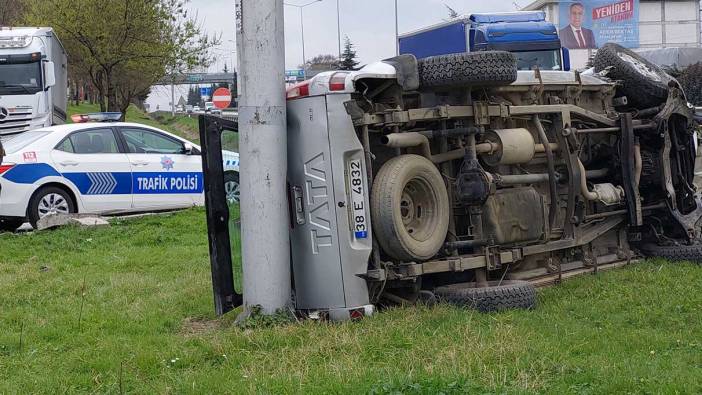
102 168
209 106
189 109
196 109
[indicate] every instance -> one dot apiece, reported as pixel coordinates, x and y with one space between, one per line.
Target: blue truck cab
528 35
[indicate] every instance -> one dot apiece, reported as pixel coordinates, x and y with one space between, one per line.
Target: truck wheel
692 253
507 295
47 201
488 68
645 84
410 208
232 187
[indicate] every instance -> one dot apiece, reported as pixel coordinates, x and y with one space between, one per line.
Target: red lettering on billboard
620 11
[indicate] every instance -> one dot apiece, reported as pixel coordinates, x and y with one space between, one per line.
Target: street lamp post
302 30
397 32
338 27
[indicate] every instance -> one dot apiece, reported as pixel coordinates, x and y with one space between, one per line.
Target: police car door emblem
167 163
4 113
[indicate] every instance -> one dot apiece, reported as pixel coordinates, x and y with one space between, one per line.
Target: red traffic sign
222 98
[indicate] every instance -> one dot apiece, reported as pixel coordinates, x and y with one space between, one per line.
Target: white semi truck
33 79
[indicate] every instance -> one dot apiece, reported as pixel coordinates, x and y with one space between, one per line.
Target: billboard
590 24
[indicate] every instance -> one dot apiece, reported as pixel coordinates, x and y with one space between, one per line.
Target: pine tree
348 57
193 96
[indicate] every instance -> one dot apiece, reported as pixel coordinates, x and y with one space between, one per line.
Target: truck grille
15 123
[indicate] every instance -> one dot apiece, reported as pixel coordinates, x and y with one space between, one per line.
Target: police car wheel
232 187
48 201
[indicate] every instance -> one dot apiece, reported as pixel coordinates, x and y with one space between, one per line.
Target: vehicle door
93 161
164 174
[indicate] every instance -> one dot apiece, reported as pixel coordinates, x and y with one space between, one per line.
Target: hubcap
53 203
231 189
418 208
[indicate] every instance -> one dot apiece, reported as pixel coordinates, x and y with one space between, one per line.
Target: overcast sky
370 24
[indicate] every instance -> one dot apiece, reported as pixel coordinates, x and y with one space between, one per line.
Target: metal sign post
263 152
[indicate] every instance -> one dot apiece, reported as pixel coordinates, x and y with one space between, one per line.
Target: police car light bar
97 117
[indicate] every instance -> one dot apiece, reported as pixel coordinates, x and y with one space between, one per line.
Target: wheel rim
231 189
418 208
53 203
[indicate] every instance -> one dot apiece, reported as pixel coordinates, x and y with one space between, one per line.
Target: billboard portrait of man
575 35
589 24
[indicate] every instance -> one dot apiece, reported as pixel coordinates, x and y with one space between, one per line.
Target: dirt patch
196 326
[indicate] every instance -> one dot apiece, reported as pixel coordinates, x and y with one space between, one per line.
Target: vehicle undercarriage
476 185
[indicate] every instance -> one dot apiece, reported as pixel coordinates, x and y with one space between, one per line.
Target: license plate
359 218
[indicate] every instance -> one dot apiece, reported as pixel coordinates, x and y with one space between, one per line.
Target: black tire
232 178
691 253
488 68
34 203
10 224
410 208
644 84
508 295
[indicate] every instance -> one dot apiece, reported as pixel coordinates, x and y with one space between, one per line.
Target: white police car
102 168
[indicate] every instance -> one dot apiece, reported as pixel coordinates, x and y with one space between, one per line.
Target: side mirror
188 148
49 74
566 59
191 149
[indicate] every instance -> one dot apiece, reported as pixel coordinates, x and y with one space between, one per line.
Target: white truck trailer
33 79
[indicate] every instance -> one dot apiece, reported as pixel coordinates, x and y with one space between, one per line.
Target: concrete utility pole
262 129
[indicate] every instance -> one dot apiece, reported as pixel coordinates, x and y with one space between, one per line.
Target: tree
691 82
193 96
11 12
321 63
348 57
127 49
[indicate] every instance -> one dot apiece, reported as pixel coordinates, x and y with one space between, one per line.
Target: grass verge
129 309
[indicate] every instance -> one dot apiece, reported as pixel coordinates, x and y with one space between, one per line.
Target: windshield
544 60
20 141
20 78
